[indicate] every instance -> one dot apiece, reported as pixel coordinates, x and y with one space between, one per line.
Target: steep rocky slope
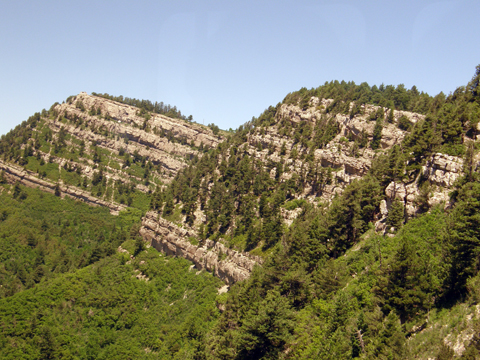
109 153
167 143
295 151
163 141
227 264
347 163
359 215
297 167
107 148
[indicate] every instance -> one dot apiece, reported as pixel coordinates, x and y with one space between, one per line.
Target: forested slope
366 217
359 204
77 282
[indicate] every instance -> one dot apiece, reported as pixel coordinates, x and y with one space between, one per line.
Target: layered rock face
227 264
166 142
346 164
276 144
15 174
169 144
441 171
128 117
88 135
273 144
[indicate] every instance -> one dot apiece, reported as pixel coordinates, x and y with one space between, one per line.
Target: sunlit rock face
227 264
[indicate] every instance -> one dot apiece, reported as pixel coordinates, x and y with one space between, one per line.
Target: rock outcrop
15 174
113 126
441 171
86 123
227 264
347 165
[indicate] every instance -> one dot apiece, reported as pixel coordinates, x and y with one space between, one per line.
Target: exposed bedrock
227 264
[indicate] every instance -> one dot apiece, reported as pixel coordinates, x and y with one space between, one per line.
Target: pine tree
396 215
391 117
139 246
465 237
266 328
57 190
392 338
168 208
377 134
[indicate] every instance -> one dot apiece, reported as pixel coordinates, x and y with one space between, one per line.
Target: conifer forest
341 223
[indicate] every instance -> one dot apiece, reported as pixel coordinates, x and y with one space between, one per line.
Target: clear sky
226 61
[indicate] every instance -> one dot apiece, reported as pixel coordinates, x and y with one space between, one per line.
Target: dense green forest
41 236
330 287
68 293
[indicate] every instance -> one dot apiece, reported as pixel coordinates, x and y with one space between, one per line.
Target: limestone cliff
116 127
347 164
227 264
91 135
103 147
15 174
441 171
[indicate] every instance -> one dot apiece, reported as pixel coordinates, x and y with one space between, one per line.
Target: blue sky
226 61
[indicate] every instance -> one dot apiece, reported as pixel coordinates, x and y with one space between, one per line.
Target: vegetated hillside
42 236
117 152
360 203
308 150
78 282
320 187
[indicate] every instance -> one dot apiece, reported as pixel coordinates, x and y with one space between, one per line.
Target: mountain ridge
343 219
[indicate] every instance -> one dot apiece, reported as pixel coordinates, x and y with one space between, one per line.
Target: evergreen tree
377 134
57 190
139 245
405 288
350 214
474 85
266 328
396 215
391 338
465 237
168 208
391 117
